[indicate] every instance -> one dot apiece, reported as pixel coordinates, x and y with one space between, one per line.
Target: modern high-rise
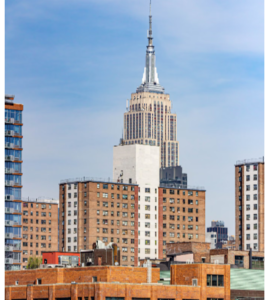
221 232
148 119
249 204
13 183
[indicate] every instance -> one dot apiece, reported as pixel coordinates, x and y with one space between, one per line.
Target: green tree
34 262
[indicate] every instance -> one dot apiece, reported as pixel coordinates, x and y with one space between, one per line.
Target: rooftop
240 279
250 161
93 179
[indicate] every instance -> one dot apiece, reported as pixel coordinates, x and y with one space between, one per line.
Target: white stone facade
71 218
251 207
140 164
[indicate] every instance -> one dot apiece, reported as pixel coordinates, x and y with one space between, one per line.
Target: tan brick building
181 216
39 228
249 204
106 211
91 211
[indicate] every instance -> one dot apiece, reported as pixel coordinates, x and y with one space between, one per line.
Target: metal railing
94 179
249 161
179 186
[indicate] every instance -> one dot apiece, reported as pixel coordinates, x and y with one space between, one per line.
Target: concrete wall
140 163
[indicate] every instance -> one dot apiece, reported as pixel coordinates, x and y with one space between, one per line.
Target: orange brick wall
84 274
183 275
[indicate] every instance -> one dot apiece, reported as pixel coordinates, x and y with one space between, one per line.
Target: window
248 187
147 216
125 197
255 187
248 236
147 190
105 186
255 226
255 207
248 226
255 177
215 280
255 197
247 178
172 192
255 167
255 217
255 236
248 207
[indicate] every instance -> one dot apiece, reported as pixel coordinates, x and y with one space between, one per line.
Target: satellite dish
116 263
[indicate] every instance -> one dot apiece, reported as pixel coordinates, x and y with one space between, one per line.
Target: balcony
9 132
16 260
9 210
9 120
9 248
9 183
9 145
9 235
9 223
9 170
9 261
9 197
9 158
17 159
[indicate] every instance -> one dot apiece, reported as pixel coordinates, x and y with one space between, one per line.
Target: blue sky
73 64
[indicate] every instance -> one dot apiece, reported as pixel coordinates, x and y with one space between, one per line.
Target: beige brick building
181 218
249 204
39 228
107 211
91 211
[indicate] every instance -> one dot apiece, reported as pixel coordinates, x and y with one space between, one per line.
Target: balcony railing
9 197
17 159
9 120
16 260
9 145
17 236
9 235
9 260
9 170
9 158
9 248
9 210
9 132
9 223
9 183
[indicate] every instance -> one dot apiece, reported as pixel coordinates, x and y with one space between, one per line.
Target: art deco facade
148 119
13 183
249 204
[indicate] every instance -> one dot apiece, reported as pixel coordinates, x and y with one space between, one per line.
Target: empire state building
148 119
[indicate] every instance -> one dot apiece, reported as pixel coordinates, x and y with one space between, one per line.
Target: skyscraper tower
148 119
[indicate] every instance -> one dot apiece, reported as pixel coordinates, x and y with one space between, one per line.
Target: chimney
250 258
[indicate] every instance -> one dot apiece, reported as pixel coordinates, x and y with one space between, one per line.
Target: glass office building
13 183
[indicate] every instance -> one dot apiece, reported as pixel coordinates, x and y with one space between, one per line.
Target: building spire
150 24
150 81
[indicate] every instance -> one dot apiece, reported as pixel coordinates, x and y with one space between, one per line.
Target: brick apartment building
181 217
197 281
249 204
91 211
39 228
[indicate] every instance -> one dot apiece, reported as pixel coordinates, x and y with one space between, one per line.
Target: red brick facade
181 216
124 282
